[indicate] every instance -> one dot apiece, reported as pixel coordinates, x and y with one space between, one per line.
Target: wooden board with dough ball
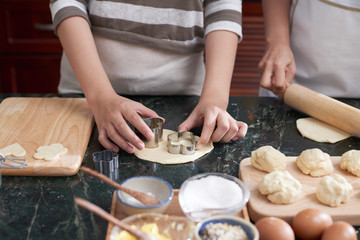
259 206
35 122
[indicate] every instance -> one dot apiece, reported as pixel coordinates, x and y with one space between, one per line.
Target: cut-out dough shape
15 150
51 152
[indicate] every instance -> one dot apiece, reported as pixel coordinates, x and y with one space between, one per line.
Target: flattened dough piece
161 155
319 131
15 150
50 153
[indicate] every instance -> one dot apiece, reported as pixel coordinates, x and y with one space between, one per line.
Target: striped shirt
174 25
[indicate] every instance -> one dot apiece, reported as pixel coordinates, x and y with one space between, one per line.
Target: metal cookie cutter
156 126
186 148
6 162
106 161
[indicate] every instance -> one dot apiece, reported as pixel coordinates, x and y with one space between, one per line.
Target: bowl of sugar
209 194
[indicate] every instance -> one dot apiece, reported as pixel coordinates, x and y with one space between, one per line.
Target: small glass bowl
173 227
154 186
209 194
250 230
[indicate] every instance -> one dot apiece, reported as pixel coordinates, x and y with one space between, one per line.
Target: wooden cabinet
246 78
30 73
30 52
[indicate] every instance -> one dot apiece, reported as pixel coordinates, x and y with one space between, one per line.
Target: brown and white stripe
176 25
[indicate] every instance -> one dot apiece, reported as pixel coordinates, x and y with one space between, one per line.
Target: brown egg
271 228
339 230
310 223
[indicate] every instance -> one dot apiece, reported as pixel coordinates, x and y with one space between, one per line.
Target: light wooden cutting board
34 122
259 206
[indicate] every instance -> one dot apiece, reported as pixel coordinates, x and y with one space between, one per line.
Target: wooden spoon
102 213
144 198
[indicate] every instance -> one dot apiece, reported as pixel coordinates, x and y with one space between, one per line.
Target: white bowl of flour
208 194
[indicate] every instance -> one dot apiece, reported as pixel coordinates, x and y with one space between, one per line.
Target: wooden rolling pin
324 108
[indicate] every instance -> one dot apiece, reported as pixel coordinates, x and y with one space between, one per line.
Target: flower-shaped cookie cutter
106 161
182 143
156 126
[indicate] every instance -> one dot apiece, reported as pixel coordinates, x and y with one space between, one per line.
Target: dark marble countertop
43 207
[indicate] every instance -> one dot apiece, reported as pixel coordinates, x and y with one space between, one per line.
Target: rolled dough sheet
161 155
320 131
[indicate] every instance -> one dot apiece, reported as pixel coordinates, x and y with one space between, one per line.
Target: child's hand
218 125
111 113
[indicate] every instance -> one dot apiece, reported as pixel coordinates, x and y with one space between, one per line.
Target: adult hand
218 124
277 69
111 113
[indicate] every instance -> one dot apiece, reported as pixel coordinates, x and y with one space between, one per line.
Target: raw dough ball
350 161
15 150
280 187
268 159
319 131
333 190
51 152
314 162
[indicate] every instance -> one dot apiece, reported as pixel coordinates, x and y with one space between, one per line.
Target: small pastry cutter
106 161
7 162
156 126
175 147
